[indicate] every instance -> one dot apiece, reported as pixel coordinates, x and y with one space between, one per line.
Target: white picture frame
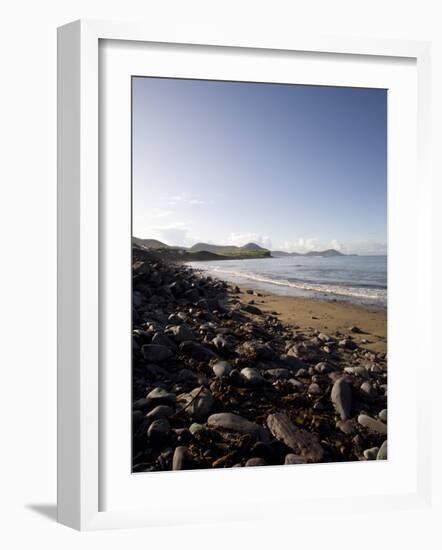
80 437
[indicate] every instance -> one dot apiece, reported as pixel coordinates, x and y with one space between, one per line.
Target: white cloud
174 234
159 213
303 244
184 198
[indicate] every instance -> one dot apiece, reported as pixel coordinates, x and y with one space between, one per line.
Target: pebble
346 426
234 423
314 389
348 344
252 376
358 371
368 389
291 458
197 403
382 453
220 343
372 424
195 427
256 461
383 415
371 454
160 396
182 459
222 369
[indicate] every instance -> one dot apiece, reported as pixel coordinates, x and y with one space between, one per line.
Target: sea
358 279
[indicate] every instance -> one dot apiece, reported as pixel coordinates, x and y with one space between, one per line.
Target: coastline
313 314
233 377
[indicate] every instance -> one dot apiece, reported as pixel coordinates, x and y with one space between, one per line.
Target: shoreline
225 377
335 292
332 316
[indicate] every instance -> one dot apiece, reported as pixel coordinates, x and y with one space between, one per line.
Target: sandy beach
331 317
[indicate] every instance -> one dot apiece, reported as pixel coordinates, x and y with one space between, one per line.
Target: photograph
259 274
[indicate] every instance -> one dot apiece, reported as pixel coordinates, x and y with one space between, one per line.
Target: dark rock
160 396
156 352
197 351
182 459
142 405
235 377
348 344
278 373
159 431
220 343
252 376
183 332
137 419
251 309
163 340
161 411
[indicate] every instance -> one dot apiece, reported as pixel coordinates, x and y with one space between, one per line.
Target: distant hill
152 244
325 253
201 251
251 250
282 254
206 251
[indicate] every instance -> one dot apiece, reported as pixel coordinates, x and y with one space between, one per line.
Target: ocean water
358 279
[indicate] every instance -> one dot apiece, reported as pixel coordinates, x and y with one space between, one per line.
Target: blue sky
290 167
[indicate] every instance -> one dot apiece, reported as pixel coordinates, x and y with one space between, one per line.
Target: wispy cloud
184 198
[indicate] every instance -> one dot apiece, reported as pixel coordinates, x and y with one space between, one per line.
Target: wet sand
334 318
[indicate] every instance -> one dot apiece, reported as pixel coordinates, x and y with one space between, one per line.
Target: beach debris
306 445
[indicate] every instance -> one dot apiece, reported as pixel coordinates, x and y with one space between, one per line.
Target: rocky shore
218 383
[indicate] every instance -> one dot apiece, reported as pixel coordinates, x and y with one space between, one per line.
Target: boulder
341 396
